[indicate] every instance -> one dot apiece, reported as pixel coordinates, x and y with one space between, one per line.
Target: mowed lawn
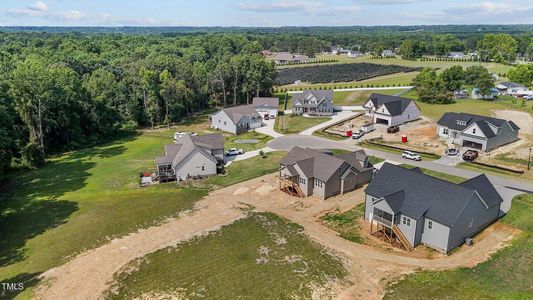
359 97
85 198
260 257
507 275
292 124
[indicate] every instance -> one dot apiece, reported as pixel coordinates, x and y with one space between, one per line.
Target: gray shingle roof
485 189
318 94
237 112
316 164
209 141
175 153
450 119
509 84
437 199
394 104
272 102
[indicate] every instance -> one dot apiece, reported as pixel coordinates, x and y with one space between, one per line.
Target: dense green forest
61 92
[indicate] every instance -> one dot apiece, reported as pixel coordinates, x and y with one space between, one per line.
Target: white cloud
307 7
39 6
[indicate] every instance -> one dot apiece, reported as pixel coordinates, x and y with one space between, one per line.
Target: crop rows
338 73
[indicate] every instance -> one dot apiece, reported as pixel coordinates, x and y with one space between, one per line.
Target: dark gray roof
357 160
394 104
316 164
209 141
320 95
509 84
450 119
485 189
437 199
237 112
272 102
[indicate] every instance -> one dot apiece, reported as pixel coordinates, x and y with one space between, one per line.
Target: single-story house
478 132
237 119
512 88
476 94
354 54
391 110
287 57
313 102
306 172
460 94
266 106
387 53
456 55
413 208
191 156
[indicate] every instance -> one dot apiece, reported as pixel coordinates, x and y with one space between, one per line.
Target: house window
430 225
203 168
474 131
340 171
445 131
470 222
219 121
224 122
406 221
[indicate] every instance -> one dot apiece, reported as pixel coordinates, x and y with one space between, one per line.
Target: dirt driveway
89 274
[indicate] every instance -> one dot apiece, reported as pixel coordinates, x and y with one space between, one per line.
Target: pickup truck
233 152
470 155
393 129
358 134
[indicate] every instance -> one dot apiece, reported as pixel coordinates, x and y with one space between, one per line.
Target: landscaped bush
338 73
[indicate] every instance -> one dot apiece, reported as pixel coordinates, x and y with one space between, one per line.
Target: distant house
387 53
476 94
287 57
512 89
313 102
391 110
478 132
266 106
191 156
307 172
266 53
460 94
354 54
412 208
236 120
456 55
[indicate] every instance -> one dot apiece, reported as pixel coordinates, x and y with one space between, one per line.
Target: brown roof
272 102
237 112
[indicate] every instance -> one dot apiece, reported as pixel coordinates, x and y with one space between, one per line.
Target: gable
383 110
474 130
368 104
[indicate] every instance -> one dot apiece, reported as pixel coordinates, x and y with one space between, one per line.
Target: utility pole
529 160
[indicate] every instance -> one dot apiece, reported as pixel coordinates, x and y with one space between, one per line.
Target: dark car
470 155
393 129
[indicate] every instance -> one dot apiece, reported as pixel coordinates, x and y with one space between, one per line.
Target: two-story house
477 132
413 208
391 110
313 102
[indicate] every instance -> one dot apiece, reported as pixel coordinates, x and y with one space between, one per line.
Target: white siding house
236 119
391 110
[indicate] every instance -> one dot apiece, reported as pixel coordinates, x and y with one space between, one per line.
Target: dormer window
461 123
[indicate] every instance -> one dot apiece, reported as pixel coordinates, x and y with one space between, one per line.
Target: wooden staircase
291 188
402 238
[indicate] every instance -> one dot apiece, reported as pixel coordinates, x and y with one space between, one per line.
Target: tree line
60 92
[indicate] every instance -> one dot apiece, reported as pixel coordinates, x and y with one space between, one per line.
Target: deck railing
383 221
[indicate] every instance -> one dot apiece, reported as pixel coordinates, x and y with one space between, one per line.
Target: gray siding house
391 110
236 119
477 132
314 103
191 156
306 172
413 208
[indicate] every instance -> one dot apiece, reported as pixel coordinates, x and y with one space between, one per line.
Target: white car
411 155
358 134
234 151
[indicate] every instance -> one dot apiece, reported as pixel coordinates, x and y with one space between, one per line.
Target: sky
262 13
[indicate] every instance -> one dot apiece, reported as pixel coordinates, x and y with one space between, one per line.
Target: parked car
266 117
393 129
470 155
411 155
272 116
358 134
452 151
234 151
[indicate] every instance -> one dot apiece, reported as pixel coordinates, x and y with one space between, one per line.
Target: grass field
230 140
262 257
359 97
343 59
82 199
345 224
292 124
507 275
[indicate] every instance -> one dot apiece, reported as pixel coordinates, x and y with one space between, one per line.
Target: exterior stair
402 238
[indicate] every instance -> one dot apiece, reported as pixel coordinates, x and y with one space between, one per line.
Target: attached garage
382 121
473 144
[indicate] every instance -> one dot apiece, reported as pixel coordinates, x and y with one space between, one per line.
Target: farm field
338 73
82 199
359 97
342 59
261 256
507 275
295 124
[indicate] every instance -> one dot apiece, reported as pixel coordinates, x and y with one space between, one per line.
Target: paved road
508 187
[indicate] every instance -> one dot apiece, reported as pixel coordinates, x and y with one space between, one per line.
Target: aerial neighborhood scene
266 149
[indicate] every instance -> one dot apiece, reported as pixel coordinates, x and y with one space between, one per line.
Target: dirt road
88 275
